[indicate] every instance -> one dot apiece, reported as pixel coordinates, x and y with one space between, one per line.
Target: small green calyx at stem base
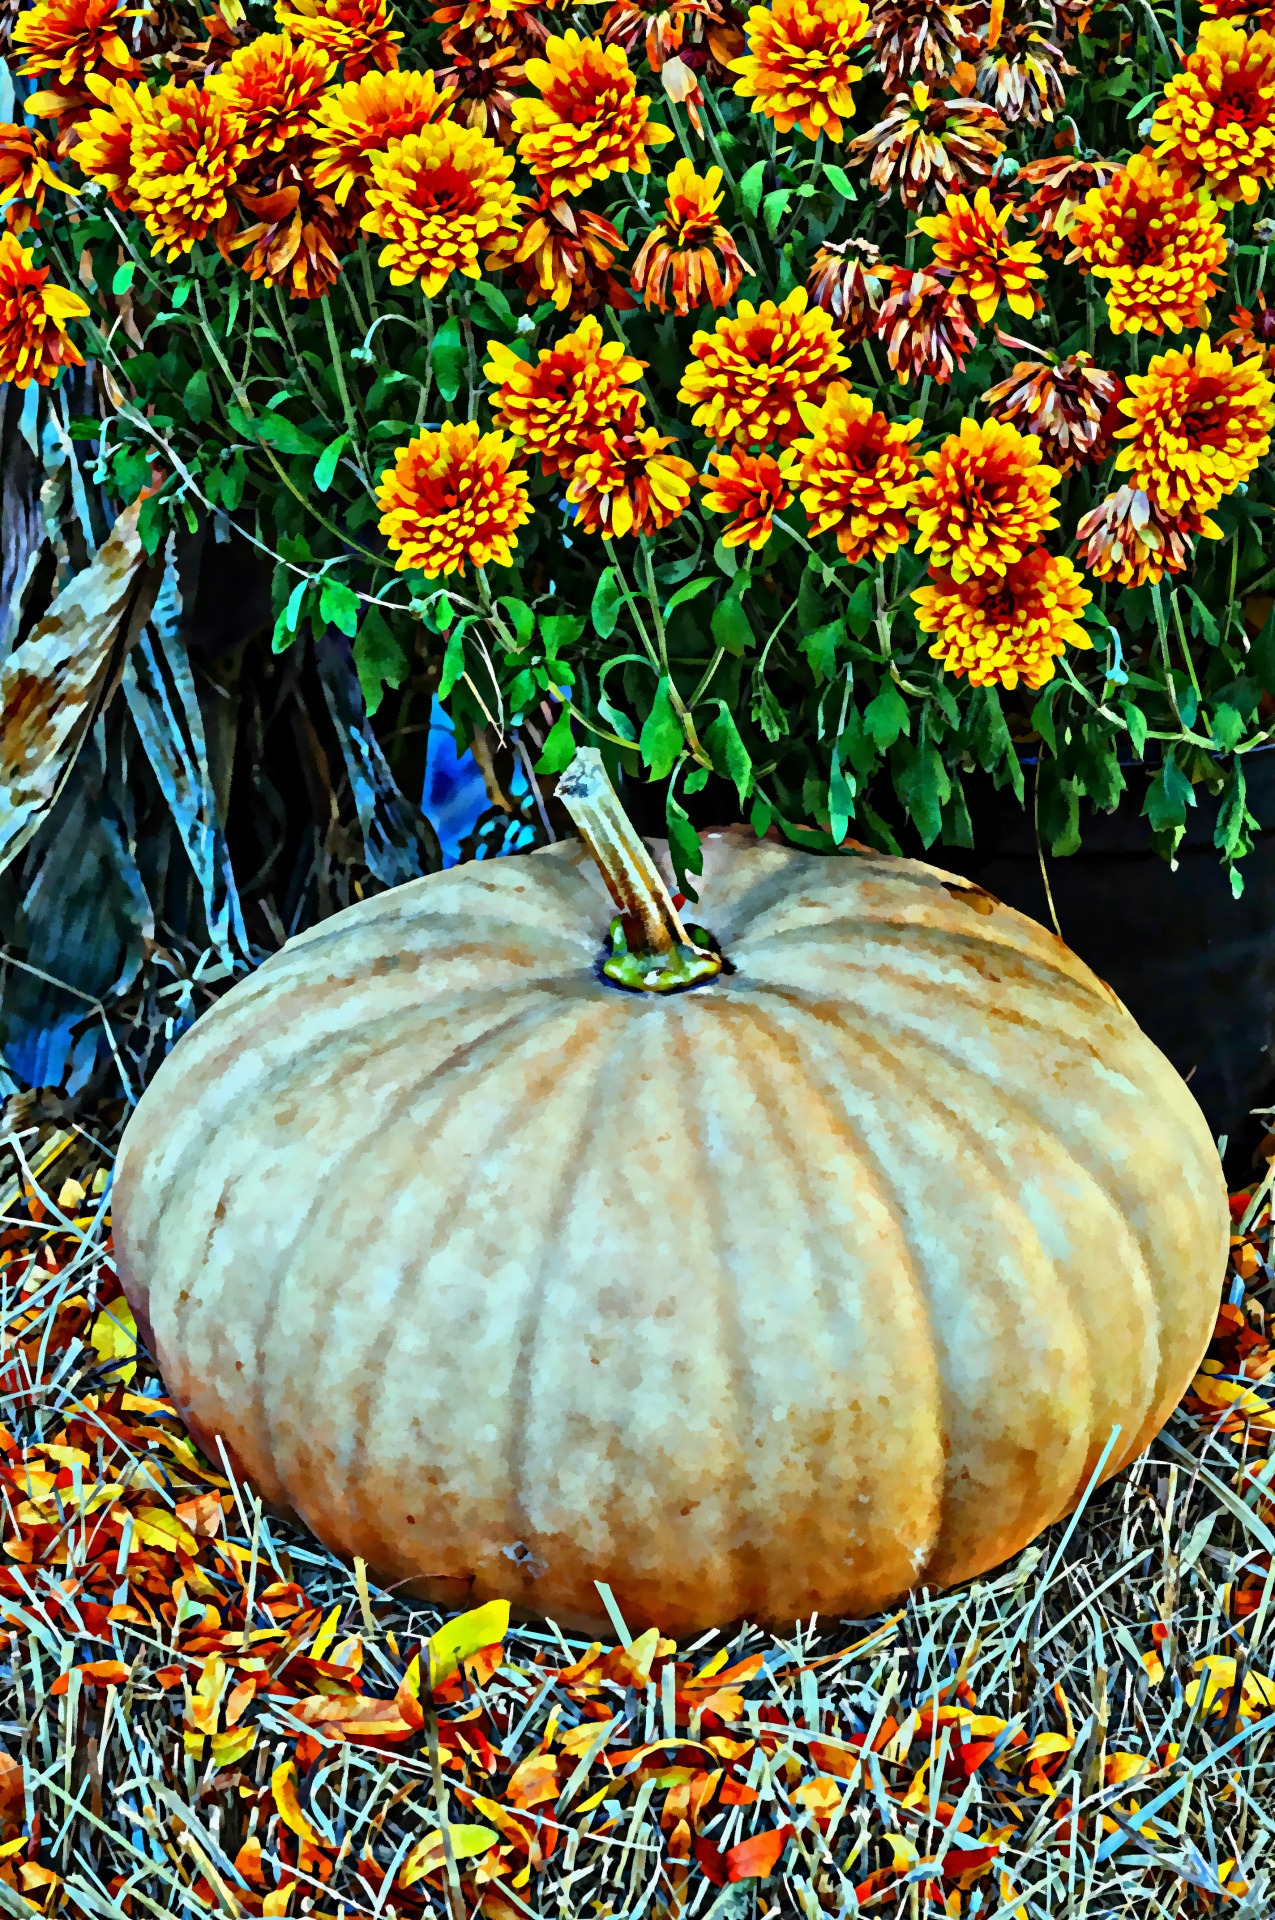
651 950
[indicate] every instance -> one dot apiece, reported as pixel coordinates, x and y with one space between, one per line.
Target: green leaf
447 358
820 648
453 659
494 297
280 434
811 611
661 738
761 816
1059 812
750 187
339 604
773 209
1228 726
1136 721
559 747
923 786
729 624
886 717
560 630
1261 659
1230 835
683 844
860 609
1043 717
285 627
325 465
730 755
839 181
1168 797
379 660
840 799
521 617
689 592
1202 621
233 481
608 598
152 523
197 397
122 278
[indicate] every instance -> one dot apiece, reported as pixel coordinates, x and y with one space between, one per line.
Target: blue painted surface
454 795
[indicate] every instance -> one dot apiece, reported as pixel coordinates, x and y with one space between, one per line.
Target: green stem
338 368
652 951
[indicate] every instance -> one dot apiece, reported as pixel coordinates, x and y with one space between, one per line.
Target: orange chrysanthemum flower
578 386
26 171
73 38
747 378
1198 425
1156 244
1253 13
274 85
858 474
1216 121
104 148
987 265
799 66
624 482
984 501
590 122
564 253
364 117
686 244
358 33
1007 626
752 488
33 320
187 154
438 198
1126 538
453 498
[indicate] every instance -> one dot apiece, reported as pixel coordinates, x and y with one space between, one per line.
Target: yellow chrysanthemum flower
33 319
578 386
438 199
104 148
187 154
752 488
273 84
988 266
799 67
364 117
748 378
1156 244
1005 627
624 481
1199 422
590 121
984 501
358 33
1216 121
858 473
453 498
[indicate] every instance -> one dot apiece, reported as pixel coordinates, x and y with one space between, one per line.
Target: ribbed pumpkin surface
787 1293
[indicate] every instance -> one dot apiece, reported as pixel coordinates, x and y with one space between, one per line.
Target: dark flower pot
1195 966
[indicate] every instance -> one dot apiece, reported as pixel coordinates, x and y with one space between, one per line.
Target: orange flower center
1240 106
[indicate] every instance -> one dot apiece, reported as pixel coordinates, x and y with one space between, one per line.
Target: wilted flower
273 84
364 117
1009 626
1252 332
1020 72
984 500
187 153
360 34
1216 121
624 482
33 319
1069 406
298 235
438 199
453 498
928 147
1198 425
685 247
576 387
926 327
486 66
564 253
858 473
1058 184
26 170
752 488
590 122
1126 538
747 378
916 40
987 266
799 66
848 281
1157 246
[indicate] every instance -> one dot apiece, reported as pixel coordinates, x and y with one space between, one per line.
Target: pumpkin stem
651 950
